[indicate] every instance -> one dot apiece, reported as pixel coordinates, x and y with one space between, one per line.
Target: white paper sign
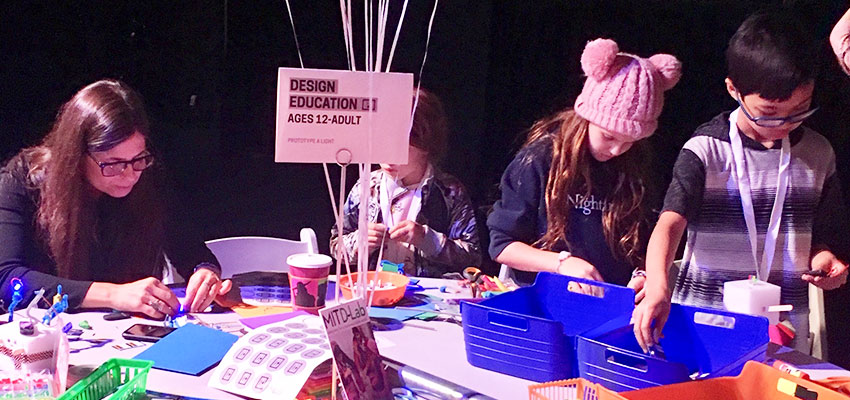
342 116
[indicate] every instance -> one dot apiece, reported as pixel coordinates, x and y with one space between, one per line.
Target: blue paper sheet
401 315
191 349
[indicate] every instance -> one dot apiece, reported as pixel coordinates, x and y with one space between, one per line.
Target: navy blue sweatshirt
520 215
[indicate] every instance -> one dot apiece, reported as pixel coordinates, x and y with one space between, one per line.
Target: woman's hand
410 232
148 296
649 318
203 288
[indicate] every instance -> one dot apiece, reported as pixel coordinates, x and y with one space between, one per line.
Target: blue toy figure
58 296
17 285
60 304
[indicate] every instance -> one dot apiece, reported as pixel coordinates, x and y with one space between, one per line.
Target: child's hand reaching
649 318
408 231
376 235
575 266
836 271
636 284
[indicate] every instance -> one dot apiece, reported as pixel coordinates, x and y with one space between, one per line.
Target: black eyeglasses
115 168
774 122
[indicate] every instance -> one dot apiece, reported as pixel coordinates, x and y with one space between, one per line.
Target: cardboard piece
329 116
191 349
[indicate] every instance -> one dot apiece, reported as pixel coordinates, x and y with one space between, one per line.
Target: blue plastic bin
530 333
697 343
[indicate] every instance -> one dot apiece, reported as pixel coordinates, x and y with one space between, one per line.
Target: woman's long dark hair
569 173
97 118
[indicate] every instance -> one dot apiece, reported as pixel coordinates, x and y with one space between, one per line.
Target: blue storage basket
530 333
697 342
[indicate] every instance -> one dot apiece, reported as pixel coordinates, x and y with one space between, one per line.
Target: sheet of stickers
275 360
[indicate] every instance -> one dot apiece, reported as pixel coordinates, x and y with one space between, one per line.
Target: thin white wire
340 244
367 26
397 32
292 22
350 31
422 68
345 34
362 242
384 6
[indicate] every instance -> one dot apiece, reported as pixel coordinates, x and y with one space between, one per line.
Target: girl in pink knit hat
573 197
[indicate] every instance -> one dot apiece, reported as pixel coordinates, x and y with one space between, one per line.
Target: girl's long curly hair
97 118
623 218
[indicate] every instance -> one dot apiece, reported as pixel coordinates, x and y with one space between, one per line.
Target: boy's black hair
771 54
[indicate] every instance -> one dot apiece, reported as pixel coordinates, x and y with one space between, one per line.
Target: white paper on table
273 361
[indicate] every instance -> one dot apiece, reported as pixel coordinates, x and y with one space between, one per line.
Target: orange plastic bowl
383 296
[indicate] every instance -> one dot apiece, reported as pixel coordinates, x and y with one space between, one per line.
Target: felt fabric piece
190 350
256 322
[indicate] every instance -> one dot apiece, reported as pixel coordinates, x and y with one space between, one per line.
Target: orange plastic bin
757 381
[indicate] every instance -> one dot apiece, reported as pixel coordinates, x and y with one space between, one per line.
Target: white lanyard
743 180
386 202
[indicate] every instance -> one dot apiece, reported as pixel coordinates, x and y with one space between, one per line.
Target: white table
434 347
158 380
438 348
431 346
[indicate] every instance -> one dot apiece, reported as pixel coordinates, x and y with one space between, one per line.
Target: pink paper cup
308 280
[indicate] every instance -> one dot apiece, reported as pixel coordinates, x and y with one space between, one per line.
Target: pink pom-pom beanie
624 93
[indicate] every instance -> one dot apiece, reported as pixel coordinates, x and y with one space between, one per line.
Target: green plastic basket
116 379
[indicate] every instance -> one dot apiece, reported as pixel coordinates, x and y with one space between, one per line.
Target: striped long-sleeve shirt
704 191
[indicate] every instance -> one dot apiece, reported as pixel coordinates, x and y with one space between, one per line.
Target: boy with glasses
757 191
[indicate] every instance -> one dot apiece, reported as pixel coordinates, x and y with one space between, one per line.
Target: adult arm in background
839 39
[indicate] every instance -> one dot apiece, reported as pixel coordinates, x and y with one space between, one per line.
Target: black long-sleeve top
24 253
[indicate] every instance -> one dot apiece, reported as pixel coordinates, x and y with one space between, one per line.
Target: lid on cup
309 260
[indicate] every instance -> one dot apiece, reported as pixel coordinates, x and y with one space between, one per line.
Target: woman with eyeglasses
84 209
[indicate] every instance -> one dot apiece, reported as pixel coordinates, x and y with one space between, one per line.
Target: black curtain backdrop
207 72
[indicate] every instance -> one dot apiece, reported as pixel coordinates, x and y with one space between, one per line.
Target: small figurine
17 285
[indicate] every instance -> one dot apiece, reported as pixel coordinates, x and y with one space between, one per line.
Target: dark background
497 65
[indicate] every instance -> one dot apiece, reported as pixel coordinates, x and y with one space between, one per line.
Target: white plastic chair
242 254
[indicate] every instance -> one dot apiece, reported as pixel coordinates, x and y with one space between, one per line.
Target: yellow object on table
255 311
